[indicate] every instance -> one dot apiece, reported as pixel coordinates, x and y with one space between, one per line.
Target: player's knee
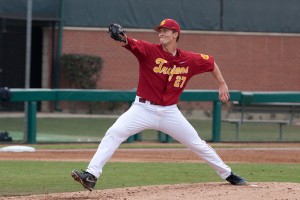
199 145
116 131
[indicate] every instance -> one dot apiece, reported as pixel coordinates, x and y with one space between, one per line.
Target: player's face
167 36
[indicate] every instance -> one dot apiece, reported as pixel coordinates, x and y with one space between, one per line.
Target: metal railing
32 96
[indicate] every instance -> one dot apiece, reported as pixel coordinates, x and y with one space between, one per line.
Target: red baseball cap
169 24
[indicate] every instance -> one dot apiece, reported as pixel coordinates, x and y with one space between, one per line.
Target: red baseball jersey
162 76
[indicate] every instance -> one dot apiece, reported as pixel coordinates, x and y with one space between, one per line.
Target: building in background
256 43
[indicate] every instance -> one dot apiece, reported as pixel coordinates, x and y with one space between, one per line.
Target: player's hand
223 93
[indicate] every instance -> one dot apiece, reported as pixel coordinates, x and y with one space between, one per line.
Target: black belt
142 100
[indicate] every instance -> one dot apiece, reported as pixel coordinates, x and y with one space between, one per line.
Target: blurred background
255 43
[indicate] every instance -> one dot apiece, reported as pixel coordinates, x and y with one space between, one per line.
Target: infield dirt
263 153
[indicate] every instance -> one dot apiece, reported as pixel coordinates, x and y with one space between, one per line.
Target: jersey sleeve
137 47
203 63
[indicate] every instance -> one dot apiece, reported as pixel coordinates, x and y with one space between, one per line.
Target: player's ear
176 35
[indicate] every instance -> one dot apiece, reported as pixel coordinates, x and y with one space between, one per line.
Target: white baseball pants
167 119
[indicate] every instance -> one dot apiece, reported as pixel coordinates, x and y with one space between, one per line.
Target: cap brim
156 28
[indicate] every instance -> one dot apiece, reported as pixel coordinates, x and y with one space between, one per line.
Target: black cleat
84 178
236 180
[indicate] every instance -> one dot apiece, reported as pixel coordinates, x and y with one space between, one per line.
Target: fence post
162 137
31 122
135 137
216 125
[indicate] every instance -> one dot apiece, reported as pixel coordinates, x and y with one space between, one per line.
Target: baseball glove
115 30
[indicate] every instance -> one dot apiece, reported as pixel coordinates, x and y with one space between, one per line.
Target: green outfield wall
215 15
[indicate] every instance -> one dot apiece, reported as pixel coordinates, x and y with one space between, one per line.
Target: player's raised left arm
223 89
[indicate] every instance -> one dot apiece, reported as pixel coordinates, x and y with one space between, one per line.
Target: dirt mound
207 191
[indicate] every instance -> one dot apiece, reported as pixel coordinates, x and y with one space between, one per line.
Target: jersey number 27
179 82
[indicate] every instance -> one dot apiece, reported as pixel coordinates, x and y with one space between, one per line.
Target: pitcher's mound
207 191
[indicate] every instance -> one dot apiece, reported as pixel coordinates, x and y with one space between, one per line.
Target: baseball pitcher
164 71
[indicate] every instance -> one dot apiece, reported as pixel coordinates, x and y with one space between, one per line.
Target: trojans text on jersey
169 70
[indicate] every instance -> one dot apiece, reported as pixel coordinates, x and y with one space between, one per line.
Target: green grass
33 177
60 129
93 130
